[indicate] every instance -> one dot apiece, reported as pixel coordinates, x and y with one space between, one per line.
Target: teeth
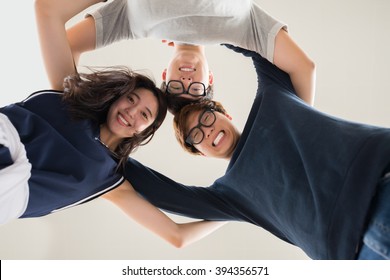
219 137
123 120
187 69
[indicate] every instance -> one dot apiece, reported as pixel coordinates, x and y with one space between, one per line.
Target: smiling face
220 138
130 114
188 65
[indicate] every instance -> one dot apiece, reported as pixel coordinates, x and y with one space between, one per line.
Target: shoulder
43 94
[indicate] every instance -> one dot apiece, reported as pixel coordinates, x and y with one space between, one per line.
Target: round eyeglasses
195 89
196 134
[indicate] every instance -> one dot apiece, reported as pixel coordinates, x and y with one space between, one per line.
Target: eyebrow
147 108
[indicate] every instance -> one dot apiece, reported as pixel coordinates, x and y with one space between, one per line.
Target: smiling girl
65 146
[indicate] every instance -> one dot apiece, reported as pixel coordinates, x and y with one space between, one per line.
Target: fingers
169 43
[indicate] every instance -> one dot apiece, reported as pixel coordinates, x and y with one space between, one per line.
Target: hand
169 43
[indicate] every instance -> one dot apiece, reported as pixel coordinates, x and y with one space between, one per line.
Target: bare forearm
64 9
194 231
141 211
51 16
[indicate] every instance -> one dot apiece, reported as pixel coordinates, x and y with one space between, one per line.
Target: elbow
178 238
177 242
310 66
178 245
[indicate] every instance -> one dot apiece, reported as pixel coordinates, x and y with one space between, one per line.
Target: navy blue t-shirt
305 176
69 166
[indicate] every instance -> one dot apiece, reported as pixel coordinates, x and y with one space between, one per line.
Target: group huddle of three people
313 180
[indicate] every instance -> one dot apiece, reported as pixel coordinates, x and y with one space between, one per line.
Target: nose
208 131
186 81
131 112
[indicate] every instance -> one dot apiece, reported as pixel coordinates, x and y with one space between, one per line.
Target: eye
197 136
131 99
196 89
206 119
144 115
175 90
175 87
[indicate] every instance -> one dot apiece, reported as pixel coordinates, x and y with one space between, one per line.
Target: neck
108 139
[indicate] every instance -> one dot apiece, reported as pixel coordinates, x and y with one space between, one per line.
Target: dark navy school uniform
305 176
69 165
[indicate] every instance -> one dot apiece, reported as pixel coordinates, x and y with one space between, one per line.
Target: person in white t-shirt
189 27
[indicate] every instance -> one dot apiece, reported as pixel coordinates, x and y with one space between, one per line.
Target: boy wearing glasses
315 181
191 25
204 128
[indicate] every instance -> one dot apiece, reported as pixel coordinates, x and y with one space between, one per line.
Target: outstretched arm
51 16
289 57
179 235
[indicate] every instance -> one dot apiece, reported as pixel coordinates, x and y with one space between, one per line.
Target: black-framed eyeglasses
196 134
195 89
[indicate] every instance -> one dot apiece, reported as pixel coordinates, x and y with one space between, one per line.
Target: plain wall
349 41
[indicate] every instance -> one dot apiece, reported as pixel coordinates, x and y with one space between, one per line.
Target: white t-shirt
14 191
202 22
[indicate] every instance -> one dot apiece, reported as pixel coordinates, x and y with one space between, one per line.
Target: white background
349 40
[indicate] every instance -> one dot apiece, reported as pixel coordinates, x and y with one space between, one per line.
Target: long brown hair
90 95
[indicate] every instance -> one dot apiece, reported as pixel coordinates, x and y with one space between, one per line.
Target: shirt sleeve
267 73
261 33
112 23
191 201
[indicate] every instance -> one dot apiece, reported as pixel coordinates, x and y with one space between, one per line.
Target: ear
211 78
199 153
164 75
228 116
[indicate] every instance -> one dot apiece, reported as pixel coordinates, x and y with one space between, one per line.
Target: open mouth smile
219 138
122 120
187 69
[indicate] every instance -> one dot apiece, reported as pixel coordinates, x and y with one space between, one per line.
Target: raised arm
103 26
51 16
82 37
289 57
179 235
